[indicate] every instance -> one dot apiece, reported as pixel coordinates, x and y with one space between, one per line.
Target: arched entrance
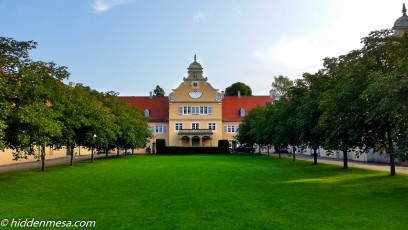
195 141
195 137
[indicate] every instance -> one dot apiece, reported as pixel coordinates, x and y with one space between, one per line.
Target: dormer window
147 113
242 112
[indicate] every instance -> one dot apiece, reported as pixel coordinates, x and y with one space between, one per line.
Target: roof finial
195 58
404 10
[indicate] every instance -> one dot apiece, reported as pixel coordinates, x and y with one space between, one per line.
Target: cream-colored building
195 113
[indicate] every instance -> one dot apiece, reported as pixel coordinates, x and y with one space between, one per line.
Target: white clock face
194 84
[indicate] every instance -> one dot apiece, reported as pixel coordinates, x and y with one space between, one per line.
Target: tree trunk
72 155
315 156
268 150
106 154
293 154
391 152
117 152
42 153
92 151
279 152
132 151
345 160
392 164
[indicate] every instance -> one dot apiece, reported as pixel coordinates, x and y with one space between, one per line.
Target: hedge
160 146
223 147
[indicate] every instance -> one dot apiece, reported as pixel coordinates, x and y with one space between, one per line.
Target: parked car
243 149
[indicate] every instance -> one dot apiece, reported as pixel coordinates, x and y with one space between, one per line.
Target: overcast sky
130 46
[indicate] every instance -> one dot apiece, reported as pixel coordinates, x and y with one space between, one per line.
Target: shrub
160 146
223 146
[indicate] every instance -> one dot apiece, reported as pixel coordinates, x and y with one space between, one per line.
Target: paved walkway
51 162
355 164
320 160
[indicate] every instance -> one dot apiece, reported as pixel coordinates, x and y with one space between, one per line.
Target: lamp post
92 149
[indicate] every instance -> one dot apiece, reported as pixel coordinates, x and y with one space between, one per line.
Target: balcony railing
195 131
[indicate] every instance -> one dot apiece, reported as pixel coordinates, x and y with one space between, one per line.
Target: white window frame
212 126
231 128
242 112
158 129
197 124
195 109
178 126
147 113
201 110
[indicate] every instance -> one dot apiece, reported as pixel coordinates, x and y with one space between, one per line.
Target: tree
238 86
252 130
158 91
343 110
309 112
13 55
387 92
281 85
33 121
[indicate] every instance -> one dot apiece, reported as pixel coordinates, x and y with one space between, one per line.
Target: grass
208 192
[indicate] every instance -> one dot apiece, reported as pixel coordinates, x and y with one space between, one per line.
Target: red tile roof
158 106
232 104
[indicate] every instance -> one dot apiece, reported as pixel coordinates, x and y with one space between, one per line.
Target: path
320 160
355 164
51 162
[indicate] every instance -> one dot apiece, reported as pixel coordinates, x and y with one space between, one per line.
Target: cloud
201 16
100 6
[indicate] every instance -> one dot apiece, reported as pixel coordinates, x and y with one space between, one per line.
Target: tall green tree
281 84
158 91
309 112
32 121
387 92
343 110
233 89
252 130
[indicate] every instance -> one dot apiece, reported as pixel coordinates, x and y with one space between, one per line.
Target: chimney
222 94
239 93
151 95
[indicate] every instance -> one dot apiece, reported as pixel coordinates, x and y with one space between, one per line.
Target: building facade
195 113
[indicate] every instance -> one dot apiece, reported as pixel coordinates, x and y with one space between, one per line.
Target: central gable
195 88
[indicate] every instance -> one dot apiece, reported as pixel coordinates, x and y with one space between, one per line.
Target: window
186 110
147 113
231 128
242 112
195 110
203 110
159 129
211 126
195 125
178 126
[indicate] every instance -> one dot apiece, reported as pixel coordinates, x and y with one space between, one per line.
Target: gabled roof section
231 105
158 106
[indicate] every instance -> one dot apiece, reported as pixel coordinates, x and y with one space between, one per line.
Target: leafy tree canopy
281 84
158 91
238 86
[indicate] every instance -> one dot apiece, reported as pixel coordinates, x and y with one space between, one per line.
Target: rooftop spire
195 58
404 10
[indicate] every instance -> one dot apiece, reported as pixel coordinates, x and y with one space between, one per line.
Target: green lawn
208 192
